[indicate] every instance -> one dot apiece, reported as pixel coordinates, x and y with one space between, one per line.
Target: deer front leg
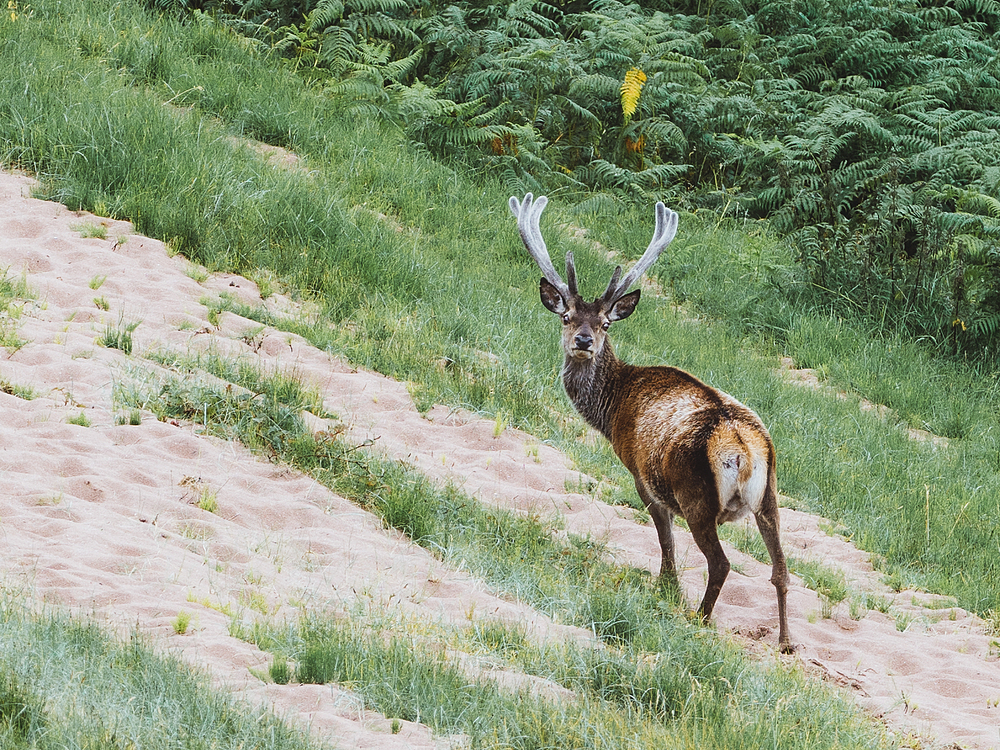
663 521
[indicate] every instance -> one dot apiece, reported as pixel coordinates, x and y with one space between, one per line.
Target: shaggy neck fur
591 386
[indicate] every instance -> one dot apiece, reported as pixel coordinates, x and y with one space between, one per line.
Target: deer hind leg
706 536
767 522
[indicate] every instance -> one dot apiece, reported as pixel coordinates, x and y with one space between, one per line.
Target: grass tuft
21 391
181 622
66 683
80 419
119 336
90 230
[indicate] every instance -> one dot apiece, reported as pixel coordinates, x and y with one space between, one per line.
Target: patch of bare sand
97 518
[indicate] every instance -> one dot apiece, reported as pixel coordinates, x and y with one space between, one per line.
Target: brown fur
693 450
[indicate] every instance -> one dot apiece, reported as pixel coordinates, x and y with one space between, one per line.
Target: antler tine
613 284
663 235
570 272
528 213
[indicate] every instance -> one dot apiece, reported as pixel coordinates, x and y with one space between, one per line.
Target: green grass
829 582
119 335
13 293
81 420
65 683
90 230
181 622
618 700
21 391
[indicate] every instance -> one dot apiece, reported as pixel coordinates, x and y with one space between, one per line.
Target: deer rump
695 445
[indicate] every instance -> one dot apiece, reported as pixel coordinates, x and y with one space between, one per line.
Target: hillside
313 436
103 518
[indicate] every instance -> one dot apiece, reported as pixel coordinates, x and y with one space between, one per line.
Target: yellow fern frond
631 90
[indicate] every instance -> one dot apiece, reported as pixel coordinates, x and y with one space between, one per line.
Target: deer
693 450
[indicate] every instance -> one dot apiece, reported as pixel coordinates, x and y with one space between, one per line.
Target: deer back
682 438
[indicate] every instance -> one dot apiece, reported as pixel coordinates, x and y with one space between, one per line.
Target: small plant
903 621
823 580
21 391
255 601
195 532
9 338
991 622
134 417
80 419
119 336
208 500
254 337
395 726
181 622
196 272
97 282
825 607
101 303
280 671
90 230
266 282
858 607
499 423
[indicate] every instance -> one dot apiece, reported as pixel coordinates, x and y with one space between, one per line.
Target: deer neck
591 386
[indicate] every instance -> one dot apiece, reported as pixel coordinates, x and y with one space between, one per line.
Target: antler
528 213
663 235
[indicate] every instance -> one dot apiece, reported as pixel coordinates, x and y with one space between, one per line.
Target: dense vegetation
866 129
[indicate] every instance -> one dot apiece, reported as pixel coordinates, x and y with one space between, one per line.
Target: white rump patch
735 498
753 490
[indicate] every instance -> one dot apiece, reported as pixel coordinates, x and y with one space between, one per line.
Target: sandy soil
104 519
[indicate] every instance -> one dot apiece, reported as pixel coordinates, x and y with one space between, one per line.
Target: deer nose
583 341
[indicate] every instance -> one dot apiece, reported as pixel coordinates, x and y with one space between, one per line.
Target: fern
866 129
631 90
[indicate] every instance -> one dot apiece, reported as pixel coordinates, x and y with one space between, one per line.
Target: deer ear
551 297
624 306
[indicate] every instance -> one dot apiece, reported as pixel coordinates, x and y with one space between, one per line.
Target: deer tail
739 456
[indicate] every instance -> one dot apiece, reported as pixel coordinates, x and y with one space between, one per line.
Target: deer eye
566 319
606 325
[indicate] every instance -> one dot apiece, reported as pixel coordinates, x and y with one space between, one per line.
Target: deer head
585 324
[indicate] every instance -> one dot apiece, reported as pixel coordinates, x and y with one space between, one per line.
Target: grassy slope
445 298
66 684
663 681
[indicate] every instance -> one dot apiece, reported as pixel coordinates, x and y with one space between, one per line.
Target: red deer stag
693 450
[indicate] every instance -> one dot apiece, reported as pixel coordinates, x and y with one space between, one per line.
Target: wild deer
693 450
